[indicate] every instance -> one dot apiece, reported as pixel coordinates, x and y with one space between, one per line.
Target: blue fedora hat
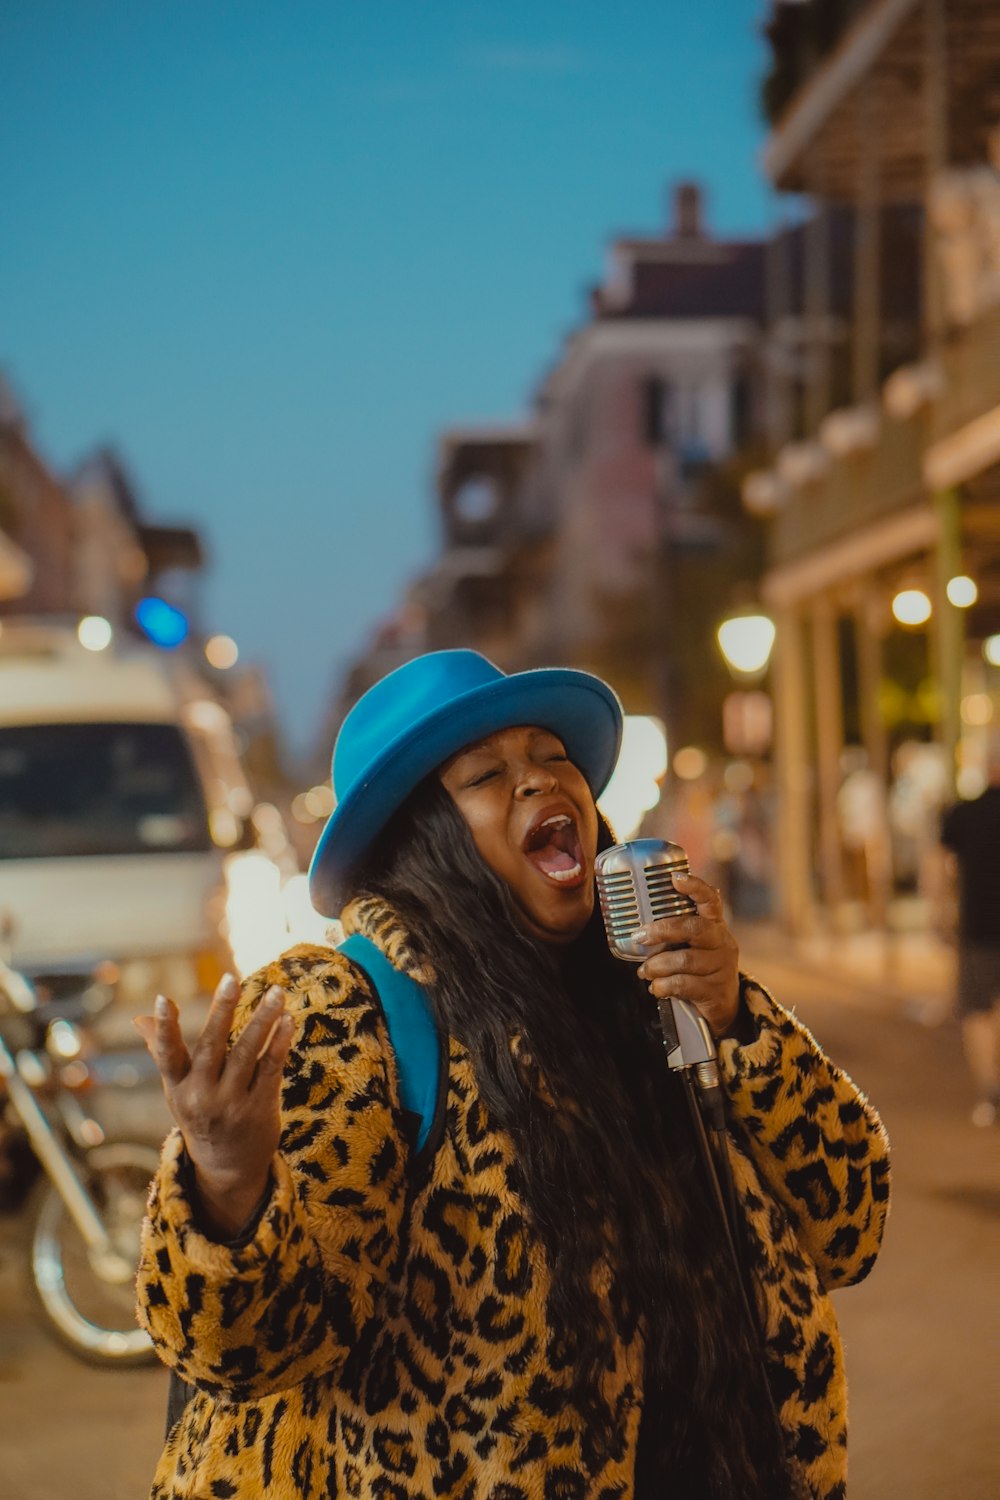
411 721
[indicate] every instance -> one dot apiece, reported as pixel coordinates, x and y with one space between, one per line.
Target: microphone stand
691 1055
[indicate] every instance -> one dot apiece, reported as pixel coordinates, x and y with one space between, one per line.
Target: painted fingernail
161 1007
228 986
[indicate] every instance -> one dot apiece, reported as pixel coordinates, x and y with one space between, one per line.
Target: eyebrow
483 747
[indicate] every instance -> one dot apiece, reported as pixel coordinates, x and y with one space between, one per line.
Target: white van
122 807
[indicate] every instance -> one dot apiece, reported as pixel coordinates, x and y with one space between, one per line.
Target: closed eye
483 776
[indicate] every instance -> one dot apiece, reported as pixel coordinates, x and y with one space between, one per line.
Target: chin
562 926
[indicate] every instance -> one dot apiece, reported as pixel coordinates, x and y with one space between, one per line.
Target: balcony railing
853 492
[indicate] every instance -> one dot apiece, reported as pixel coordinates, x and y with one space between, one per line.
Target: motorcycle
87 1203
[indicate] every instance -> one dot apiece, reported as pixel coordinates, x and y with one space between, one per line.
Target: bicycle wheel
88 1299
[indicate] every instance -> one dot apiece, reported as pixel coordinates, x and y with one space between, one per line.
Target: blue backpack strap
411 1028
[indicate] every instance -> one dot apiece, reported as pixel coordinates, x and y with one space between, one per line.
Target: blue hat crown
417 717
394 705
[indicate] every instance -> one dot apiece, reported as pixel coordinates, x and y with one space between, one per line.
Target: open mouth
553 847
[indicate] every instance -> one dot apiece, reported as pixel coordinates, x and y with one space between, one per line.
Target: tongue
552 858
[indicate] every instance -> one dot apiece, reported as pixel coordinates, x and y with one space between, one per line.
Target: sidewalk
909 973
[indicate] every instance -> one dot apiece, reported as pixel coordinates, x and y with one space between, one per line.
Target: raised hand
224 1099
705 970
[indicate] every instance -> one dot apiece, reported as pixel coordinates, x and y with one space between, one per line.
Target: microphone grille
635 886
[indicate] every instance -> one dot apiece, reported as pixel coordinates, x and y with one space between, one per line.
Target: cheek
590 837
588 821
490 841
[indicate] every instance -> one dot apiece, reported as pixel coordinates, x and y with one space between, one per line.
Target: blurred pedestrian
540 1300
970 832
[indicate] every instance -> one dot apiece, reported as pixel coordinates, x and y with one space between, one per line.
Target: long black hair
605 1149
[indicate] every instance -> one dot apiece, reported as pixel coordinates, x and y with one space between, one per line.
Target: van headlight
255 925
266 913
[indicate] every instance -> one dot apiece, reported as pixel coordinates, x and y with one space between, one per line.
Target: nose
534 780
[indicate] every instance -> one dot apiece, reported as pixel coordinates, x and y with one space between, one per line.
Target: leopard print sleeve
813 1136
252 1318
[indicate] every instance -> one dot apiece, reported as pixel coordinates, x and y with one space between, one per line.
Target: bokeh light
738 777
962 591
255 920
911 607
977 709
746 641
221 652
970 782
163 623
690 762
635 786
94 632
315 804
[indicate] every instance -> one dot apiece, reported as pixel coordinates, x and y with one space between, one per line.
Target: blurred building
84 545
118 556
640 419
608 533
884 472
122 559
494 556
36 521
81 545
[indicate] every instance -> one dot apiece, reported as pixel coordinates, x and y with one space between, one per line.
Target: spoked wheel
88 1298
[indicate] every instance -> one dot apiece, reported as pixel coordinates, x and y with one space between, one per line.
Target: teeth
558 820
565 874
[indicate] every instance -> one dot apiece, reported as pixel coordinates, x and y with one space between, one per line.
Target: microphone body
635 887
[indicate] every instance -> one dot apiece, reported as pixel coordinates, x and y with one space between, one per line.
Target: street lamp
745 641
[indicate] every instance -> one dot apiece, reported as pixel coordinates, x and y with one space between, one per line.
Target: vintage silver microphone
635 886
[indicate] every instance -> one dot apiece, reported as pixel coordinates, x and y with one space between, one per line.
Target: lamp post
746 640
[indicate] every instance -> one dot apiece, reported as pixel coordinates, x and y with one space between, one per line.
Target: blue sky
269 250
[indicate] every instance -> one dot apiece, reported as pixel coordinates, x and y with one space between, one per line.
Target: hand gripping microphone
635 886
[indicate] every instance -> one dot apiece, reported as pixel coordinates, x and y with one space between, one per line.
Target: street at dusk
500 524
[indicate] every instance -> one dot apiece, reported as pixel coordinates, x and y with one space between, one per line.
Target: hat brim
581 709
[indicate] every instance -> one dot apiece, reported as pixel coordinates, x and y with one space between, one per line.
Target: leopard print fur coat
380 1336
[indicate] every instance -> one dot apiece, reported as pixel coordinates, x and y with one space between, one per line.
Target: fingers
162 1036
275 1054
704 928
258 1037
694 957
700 989
705 896
210 1049
671 961
700 932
